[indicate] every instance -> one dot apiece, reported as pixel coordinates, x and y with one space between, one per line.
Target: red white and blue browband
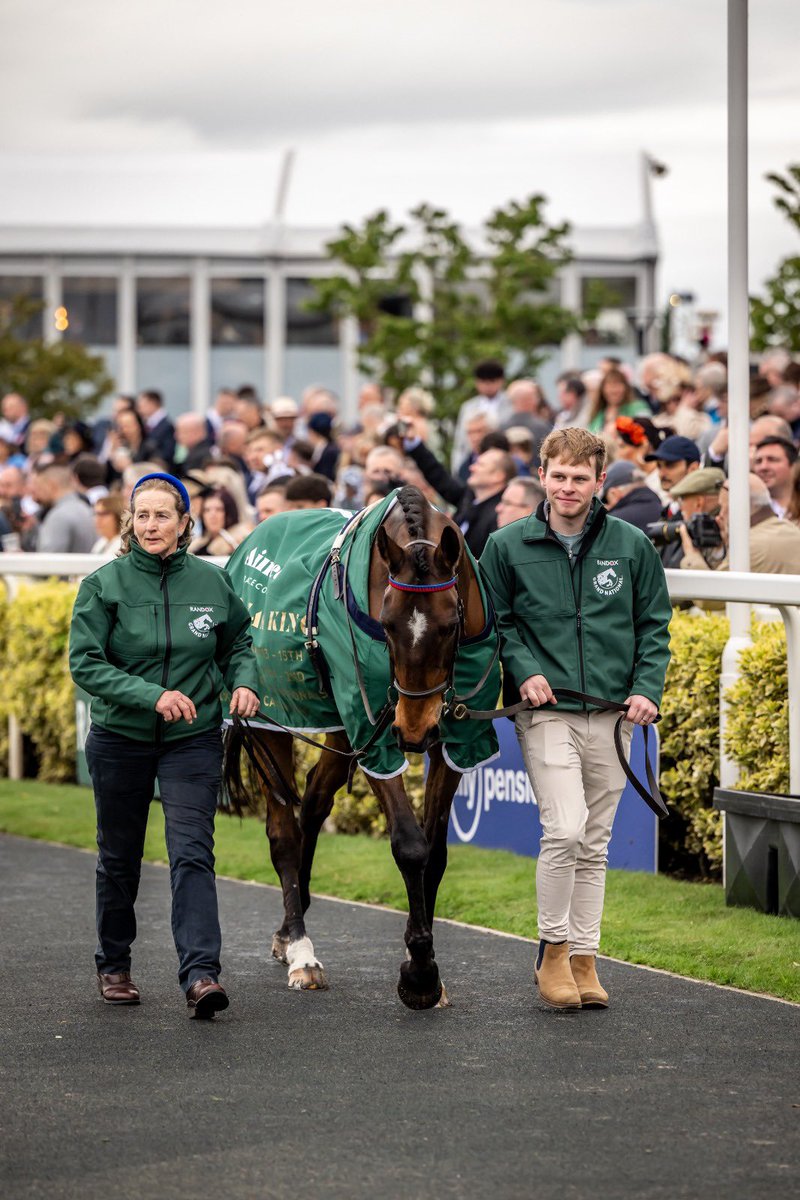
422 587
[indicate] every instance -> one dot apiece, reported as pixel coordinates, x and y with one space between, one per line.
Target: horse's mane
415 511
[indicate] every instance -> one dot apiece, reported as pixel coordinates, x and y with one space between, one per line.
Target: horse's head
422 617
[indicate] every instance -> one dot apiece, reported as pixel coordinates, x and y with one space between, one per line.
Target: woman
108 512
155 636
615 398
128 440
222 530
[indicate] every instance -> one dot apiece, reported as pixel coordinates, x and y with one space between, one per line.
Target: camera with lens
702 529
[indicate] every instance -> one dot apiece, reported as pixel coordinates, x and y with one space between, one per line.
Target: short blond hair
574 446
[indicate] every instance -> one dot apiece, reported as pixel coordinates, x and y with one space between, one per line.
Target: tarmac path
679 1089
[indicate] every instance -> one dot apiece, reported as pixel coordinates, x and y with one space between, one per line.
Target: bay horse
425 601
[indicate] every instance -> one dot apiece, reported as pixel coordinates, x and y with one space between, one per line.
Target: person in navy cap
675 458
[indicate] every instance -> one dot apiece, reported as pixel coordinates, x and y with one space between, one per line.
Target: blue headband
176 483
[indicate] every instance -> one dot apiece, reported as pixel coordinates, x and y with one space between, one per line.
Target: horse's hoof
307 979
417 1000
444 1000
279 945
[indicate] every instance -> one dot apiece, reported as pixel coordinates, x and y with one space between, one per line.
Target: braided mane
415 510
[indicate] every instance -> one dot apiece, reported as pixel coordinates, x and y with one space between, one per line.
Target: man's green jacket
598 625
143 625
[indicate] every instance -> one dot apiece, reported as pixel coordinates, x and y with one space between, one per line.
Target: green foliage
692 837
36 683
62 377
775 317
757 734
429 305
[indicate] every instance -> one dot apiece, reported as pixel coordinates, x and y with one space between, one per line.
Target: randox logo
608 582
201 627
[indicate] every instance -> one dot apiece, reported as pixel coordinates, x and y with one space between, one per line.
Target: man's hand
641 711
244 703
719 447
537 691
173 706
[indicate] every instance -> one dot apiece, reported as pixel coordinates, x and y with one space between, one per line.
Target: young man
581 602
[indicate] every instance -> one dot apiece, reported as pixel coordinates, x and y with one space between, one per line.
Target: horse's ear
390 552
448 551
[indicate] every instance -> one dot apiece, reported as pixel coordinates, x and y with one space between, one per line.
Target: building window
15 288
303 327
237 312
162 312
91 304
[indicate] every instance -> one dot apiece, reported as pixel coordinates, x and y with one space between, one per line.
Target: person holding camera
695 526
774 543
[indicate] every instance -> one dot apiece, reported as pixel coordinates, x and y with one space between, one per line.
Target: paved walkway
678 1090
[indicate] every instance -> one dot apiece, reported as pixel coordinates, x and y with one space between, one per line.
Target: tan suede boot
553 977
584 972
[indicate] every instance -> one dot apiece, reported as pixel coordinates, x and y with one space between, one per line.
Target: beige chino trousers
577 780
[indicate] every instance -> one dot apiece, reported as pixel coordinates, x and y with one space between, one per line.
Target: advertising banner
495 807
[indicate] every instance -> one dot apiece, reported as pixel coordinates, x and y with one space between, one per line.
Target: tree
430 304
775 317
62 377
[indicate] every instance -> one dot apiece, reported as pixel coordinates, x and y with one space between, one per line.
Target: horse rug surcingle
274 571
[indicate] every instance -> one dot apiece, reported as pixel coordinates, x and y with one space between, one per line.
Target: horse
410 627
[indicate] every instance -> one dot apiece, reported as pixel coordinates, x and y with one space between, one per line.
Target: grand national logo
201 626
608 581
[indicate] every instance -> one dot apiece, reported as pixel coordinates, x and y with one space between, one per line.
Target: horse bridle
426 589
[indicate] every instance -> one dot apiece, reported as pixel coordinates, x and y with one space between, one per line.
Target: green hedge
35 686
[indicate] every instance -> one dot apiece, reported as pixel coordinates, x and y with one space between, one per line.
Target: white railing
730 587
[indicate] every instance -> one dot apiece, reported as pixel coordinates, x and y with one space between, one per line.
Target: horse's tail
237 794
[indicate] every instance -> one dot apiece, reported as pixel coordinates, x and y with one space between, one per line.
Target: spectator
489 378
224 408
519 500
478 426
308 491
128 441
675 458
792 511
383 464
90 478
14 409
284 413
159 429
773 463
108 513
635 438
615 398
77 439
326 452
222 529
12 491
67 526
526 401
522 447
271 499
300 457
37 440
698 495
572 398
248 408
774 544
232 444
626 494
193 445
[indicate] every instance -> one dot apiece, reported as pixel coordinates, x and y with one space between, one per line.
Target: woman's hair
420 400
114 505
793 507
228 503
137 418
154 485
599 403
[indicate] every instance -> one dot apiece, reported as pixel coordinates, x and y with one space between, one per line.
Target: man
284 413
476 428
271 499
675 458
160 430
489 379
773 463
774 544
308 491
14 409
525 399
89 478
699 494
572 401
223 409
519 500
67 526
193 445
248 408
581 602
626 494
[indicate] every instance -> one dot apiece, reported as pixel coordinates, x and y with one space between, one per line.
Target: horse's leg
419 985
324 781
289 943
439 791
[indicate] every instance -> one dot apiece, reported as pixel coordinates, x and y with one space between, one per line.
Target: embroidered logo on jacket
201 627
608 582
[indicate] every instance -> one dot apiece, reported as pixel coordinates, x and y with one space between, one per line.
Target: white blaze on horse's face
417 626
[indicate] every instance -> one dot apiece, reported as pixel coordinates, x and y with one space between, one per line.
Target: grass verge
660 922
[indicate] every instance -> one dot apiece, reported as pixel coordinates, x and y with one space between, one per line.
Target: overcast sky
467 103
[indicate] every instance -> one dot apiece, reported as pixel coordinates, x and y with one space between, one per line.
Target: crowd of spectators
64 485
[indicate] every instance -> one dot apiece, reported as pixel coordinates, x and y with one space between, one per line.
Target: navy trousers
123 774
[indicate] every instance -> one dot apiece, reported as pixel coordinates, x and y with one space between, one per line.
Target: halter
422 587
446 684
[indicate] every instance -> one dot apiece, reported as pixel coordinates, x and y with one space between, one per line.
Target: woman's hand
174 705
244 703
